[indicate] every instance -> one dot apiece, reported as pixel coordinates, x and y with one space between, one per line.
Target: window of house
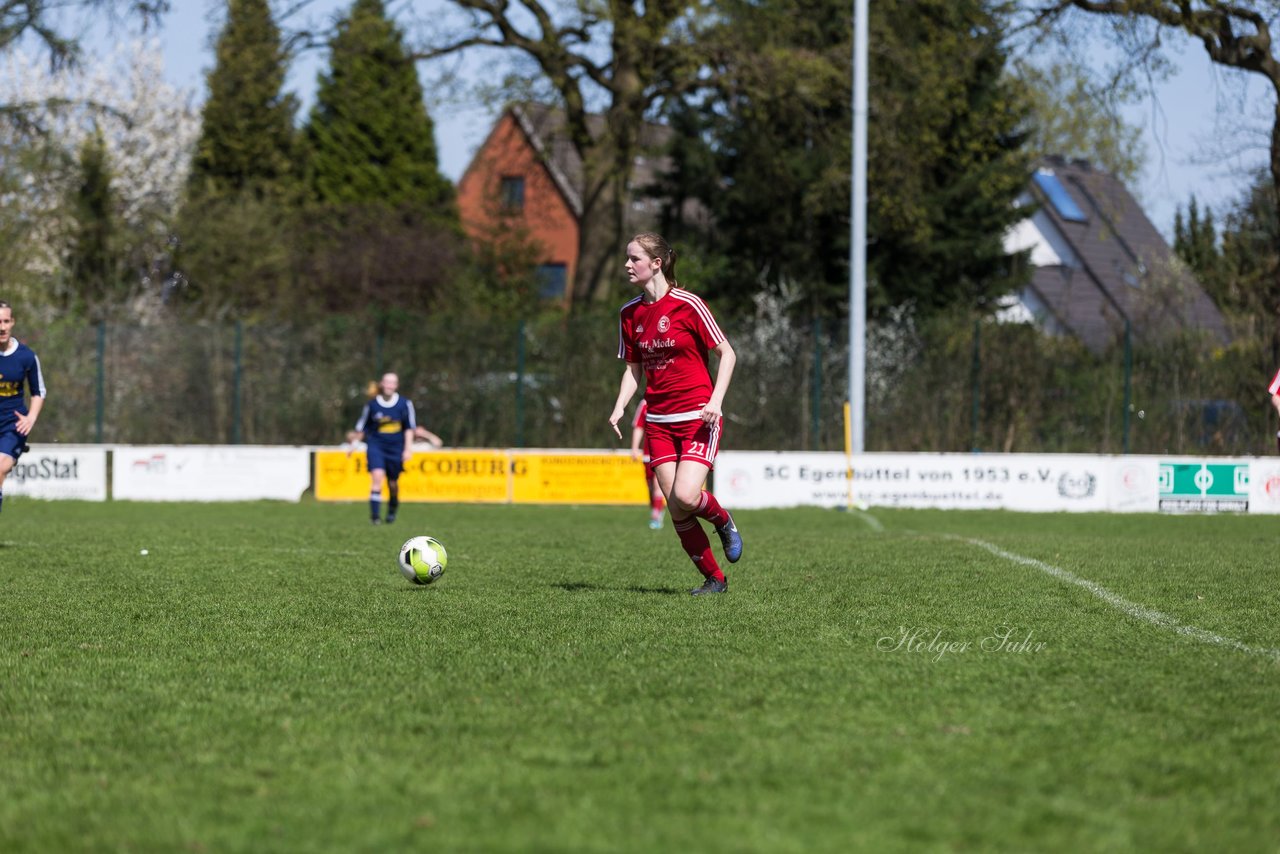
511 192
1058 196
552 279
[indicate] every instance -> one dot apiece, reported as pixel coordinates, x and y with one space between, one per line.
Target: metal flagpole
858 236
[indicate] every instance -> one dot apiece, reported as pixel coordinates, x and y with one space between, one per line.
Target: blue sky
1184 132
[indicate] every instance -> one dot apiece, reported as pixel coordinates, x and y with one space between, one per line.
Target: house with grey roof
1099 262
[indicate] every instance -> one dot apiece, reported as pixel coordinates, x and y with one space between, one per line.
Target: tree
147 129
237 220
46 23
1195 241
381 228
1250 258
628 58
949 156
247 140
1077 118
947 151
369 139
95 277
767 151
1234 34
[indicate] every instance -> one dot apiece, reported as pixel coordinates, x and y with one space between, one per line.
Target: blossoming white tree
148 128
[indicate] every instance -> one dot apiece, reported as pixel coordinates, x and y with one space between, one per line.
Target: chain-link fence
949 384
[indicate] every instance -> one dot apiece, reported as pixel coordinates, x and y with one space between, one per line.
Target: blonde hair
371 390
656 246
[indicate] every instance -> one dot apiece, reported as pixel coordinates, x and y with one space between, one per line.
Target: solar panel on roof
1058 196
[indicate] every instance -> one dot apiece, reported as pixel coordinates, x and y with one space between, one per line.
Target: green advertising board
1200 486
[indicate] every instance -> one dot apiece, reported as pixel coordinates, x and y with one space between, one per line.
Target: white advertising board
1264 486
210 473
60 471
1133 484
1035 482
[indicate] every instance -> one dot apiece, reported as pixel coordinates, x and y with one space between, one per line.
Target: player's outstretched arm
353 436
427 436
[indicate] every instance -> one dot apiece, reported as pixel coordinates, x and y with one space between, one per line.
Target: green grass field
265 680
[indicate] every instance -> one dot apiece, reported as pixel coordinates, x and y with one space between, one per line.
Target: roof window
1061 200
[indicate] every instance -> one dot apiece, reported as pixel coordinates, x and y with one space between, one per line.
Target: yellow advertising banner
569 478
443 476
491 477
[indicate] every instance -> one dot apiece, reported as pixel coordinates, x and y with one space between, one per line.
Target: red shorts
683 440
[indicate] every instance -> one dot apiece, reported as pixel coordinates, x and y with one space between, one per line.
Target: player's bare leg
375 495
393 499
698 502
682 483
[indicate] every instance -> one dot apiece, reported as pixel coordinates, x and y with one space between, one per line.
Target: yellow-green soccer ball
423 559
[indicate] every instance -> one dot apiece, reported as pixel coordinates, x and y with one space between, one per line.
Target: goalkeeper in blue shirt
19 367
386 425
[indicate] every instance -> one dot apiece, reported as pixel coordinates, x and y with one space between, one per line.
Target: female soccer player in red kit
664 335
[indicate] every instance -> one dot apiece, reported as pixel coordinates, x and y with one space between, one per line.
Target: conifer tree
1195 240
247 138
235 256
94 268
369 139
1250 253
381 229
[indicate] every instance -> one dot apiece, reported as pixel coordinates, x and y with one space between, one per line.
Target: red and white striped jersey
1274 388
670 338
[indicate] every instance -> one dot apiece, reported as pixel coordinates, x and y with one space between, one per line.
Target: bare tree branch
1234 35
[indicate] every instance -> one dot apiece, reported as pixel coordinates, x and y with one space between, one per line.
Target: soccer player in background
386 425
1274 391
19 366
657 504
664 335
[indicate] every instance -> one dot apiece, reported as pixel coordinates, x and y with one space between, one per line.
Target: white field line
1141 612
872 522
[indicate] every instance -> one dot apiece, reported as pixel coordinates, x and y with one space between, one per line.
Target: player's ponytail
371 390
655 246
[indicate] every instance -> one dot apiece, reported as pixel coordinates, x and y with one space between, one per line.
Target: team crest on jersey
663 324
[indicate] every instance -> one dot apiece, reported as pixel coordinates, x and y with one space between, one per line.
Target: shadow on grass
573 586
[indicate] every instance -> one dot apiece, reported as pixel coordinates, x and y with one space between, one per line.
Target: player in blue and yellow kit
387 425
18 367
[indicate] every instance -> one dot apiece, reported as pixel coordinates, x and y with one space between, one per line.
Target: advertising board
952 481
492 477
60 471
209 472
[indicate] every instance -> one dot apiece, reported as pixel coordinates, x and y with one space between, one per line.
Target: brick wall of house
544 215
